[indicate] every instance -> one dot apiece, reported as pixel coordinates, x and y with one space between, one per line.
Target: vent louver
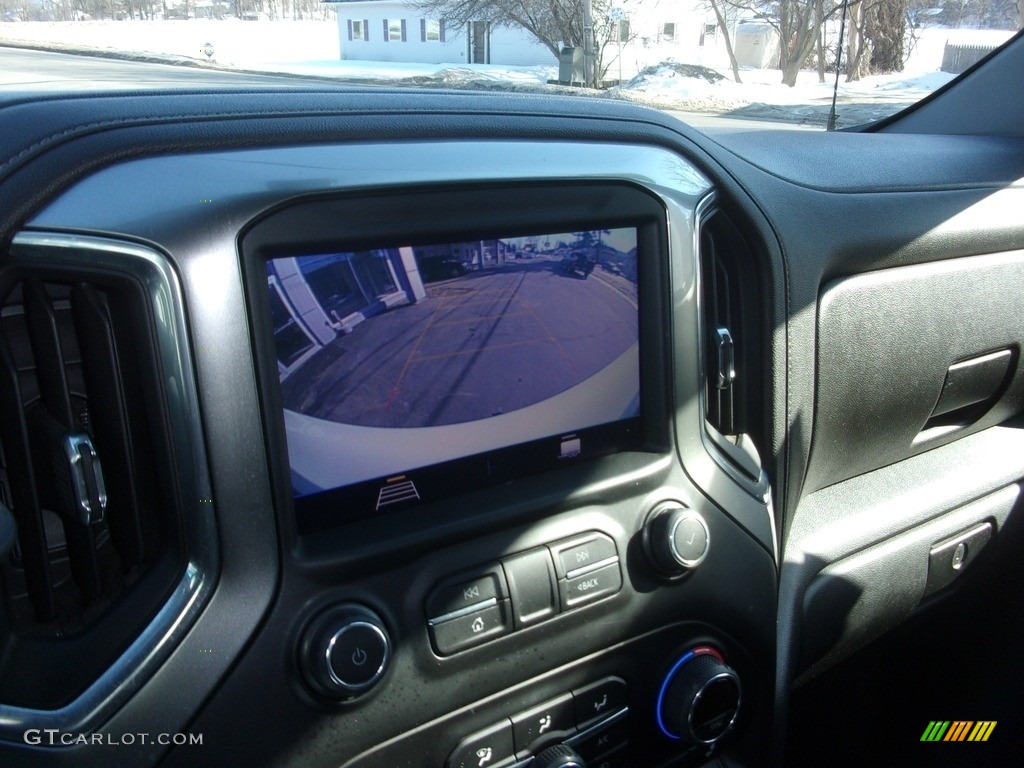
89 470
730 297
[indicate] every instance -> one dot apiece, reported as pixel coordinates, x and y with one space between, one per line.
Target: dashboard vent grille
86 470
732 333
721 308
719 343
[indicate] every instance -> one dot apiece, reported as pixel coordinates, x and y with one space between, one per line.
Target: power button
358 655
345 651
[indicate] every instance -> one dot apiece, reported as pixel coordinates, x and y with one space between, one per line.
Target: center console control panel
653 714
521 590
578 638
590 719
606 637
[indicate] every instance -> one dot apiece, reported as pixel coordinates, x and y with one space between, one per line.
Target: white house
649 32
391 30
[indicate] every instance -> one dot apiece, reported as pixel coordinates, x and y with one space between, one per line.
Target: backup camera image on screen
394 359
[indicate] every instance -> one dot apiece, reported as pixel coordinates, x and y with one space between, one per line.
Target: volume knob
344 651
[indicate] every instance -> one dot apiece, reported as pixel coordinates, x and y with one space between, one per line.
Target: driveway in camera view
477 346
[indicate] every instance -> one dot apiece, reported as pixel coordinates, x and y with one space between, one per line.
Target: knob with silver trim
344 651
676 539
699 698
558 756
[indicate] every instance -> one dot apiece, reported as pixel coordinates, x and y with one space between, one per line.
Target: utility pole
588 45
831 124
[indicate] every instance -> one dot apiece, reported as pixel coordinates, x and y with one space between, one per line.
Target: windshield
802 64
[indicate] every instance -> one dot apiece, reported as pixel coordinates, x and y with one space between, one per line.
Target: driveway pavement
479 345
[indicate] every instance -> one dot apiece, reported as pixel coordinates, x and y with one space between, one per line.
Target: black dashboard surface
184 175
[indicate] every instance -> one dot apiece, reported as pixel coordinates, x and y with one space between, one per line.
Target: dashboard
377 428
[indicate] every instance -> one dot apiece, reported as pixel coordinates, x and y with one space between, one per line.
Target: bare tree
721 9
552 22
887 29
819 58
797 23
877 37
856 62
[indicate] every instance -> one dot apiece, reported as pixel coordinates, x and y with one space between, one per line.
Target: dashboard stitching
248 114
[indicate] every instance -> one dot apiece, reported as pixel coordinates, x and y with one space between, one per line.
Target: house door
478 42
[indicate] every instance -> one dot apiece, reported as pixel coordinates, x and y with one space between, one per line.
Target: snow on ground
312 48
761 93
309 48
670 84
235 42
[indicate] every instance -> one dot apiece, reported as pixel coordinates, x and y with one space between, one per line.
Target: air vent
732 340
89 466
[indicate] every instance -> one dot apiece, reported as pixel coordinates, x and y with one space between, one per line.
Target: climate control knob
676 539
344 651
558 756
699 698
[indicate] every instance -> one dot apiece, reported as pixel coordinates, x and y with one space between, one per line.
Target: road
22 69
710 123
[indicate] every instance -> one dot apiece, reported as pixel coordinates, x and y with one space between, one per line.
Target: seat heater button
590 586
472 629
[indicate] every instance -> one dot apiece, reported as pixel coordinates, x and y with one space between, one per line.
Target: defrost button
485 749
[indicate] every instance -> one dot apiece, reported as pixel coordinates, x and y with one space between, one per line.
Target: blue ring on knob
661 694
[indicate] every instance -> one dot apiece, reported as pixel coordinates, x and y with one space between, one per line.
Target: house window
431 30
709 31
668 32
394 30
358 29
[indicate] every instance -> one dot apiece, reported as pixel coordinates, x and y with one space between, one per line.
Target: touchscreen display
413 373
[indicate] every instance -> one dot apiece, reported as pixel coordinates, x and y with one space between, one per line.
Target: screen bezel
393 218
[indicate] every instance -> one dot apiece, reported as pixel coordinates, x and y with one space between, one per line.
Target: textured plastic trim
115 686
